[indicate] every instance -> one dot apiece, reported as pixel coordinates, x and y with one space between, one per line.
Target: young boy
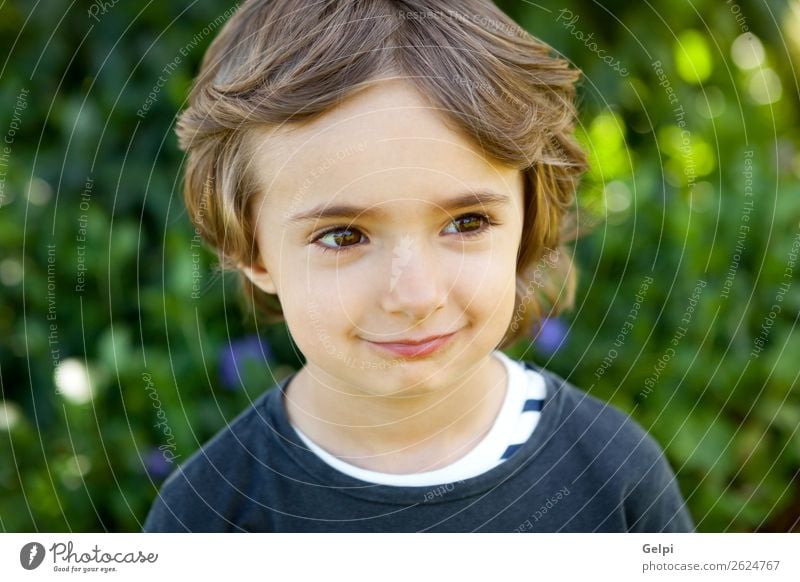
393 178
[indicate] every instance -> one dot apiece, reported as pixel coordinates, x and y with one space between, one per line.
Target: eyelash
490 223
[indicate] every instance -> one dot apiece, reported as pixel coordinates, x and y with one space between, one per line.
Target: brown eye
472 224
339 239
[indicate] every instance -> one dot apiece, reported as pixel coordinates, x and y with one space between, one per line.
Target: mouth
415 348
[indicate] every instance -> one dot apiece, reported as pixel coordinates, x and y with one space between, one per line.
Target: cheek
488 280
320 309
311 327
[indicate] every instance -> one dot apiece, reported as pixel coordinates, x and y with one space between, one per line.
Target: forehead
386 143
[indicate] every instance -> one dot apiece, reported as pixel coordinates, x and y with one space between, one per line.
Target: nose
415 286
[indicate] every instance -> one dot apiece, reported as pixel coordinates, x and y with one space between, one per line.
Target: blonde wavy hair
289 61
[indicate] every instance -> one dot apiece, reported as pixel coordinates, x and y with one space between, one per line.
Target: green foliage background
72 79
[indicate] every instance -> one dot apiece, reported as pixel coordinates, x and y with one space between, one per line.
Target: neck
398 434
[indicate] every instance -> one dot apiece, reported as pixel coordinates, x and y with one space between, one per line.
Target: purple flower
156 465
235 356
551 335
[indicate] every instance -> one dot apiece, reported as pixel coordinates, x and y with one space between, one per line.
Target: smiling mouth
415 348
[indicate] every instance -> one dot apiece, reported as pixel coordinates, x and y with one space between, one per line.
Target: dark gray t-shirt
586 468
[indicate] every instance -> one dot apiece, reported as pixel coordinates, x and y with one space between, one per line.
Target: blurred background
123 348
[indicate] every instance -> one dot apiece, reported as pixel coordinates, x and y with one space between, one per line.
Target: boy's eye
339 238
344 238
472 223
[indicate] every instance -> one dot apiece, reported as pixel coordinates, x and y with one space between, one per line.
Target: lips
415 348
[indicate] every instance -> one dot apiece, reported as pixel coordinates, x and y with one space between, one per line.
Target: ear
258 275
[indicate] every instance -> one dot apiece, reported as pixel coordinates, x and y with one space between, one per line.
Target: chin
415 378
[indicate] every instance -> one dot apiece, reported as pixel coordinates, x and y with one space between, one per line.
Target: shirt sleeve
177 508
195 498
162 519
654 502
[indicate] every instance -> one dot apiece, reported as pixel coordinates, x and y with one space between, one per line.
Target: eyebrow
480 198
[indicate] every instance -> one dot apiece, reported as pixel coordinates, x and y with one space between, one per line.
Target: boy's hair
289 61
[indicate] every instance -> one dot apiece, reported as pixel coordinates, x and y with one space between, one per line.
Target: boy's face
406 264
